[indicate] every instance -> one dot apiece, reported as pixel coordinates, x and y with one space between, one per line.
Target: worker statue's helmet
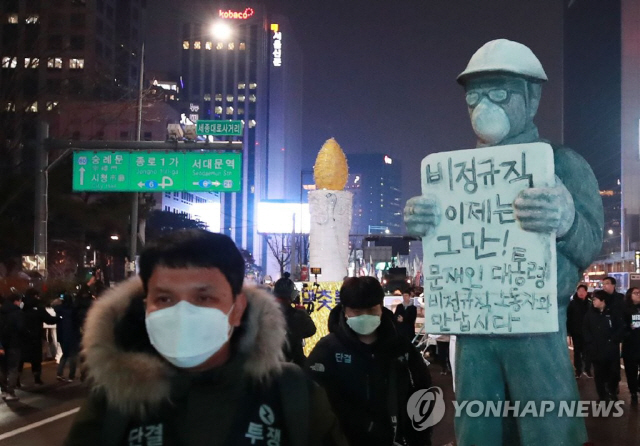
506 57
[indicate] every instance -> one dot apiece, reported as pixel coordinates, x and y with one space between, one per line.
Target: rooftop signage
237 15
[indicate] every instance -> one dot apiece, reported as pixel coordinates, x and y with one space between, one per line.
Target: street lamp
115 237
221 31
610 231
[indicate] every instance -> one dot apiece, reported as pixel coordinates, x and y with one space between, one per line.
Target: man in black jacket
576 312
406 314
35 314
615 300
12 329
631 342
299 323
603 332
368 370
190 356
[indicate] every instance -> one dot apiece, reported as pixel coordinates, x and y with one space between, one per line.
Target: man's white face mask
490 122
187 335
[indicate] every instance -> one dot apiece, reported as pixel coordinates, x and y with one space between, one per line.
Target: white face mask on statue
490 122
187 335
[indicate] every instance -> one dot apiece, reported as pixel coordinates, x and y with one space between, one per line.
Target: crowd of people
187 342
598 325
23 318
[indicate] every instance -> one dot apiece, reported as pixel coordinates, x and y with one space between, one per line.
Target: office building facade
66 48
240 63
601 121
376 183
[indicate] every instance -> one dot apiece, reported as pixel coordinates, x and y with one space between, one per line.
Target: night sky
379 76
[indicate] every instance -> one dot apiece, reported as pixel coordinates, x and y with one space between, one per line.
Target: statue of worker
503 83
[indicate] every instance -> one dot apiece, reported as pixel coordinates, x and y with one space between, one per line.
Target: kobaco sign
238 15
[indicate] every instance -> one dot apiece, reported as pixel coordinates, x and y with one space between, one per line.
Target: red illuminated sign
240 15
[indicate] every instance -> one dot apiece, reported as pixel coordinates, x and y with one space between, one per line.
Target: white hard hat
504 56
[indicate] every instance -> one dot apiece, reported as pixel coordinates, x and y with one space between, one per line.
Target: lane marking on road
31 426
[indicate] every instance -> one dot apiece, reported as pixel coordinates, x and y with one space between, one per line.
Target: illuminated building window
207 96
253 86
172 97
241 111
219 97
197 45
229 110
241 98
208 45
76 64
13 19
185 45
55 62
219 45
232 45
218 110
51 105
31 63
242 86
229 98
252 123
242 46
9 62
252 98
32 19
33 108
10 106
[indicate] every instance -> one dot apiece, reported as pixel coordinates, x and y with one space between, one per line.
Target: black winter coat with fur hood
139 398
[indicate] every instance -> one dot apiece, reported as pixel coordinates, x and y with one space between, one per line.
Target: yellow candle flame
331 170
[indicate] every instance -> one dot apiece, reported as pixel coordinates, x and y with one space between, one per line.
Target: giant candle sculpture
330 208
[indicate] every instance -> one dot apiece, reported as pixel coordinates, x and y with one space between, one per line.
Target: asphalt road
44 414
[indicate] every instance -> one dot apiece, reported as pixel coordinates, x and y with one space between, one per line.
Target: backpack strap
294 393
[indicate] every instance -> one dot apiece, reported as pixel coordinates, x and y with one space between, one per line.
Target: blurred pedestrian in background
405 315
11 331
576 312
299 323
35 315
68 335
603 332
631 342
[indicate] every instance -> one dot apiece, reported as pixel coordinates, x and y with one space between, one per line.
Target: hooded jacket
366 383
136 392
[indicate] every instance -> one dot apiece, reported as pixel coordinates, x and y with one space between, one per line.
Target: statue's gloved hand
545 209
422 215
